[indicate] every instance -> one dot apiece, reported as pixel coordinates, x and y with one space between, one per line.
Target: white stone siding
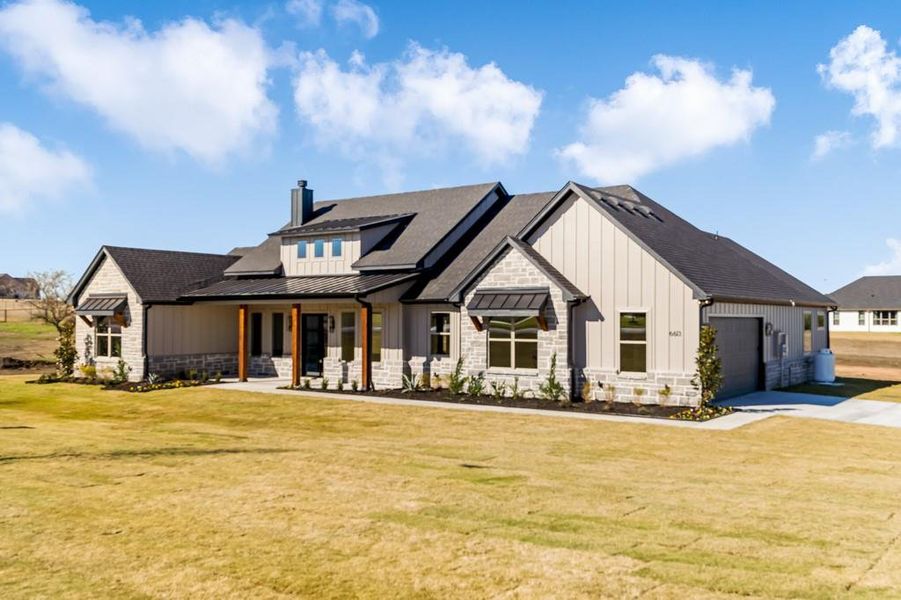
178 365
514 270
108 279
622 388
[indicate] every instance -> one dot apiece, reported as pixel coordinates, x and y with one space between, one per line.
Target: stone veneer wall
682 393
177 365
783 373
514 270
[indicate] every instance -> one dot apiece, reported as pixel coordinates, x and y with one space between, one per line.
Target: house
18 288
870 303
605 279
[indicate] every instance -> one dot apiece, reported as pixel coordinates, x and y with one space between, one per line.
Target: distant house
18 288
871 303
370 289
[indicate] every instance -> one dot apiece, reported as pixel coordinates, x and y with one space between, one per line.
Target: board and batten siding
327 265
195 329
787 319
619 276
418 322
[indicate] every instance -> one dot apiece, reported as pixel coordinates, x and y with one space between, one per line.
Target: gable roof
159 276
870 292
434 215
714 266
508 218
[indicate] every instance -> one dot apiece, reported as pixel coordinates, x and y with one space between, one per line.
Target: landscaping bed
576 406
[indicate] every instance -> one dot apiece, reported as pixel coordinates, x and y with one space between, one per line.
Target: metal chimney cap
301 183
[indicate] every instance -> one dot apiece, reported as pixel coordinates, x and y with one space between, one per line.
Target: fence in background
16 311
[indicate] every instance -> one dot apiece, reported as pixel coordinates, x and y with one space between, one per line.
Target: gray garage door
738 340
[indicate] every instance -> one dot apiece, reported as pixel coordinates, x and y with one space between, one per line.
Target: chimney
301 203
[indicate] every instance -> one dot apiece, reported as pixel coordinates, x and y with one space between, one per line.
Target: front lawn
210 493
851 387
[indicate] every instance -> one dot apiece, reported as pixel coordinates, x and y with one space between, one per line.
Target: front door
313 341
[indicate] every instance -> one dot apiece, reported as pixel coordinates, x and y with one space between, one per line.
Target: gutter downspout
146 358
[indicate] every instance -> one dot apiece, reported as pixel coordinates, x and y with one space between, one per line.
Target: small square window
836 318
336 247
318 248
302 249
821 320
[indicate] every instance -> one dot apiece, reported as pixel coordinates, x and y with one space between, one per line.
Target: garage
738 340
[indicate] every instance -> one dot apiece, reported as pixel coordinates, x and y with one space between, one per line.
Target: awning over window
102 306
514 302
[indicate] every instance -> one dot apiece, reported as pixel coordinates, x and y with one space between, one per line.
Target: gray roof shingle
870 292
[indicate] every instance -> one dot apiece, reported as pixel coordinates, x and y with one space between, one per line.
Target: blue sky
187 130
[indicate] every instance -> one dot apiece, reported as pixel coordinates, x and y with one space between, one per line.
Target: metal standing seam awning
102 306
513 302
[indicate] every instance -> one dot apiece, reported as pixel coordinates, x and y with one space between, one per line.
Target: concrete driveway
866 412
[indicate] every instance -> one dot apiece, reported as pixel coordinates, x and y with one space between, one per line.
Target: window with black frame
107 338
348 336
439 334
633 342
513 342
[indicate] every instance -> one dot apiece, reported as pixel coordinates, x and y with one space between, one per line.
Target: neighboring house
19 288
369 289
871 303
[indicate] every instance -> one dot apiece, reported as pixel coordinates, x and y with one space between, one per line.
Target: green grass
864 389
211 493
27 340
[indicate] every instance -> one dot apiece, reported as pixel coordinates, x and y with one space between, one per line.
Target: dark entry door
739 344
313 342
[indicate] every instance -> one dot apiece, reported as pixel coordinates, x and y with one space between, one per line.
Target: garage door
738 340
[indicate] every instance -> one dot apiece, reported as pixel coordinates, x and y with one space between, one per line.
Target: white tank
824 366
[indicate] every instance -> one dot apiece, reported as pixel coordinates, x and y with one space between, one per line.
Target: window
808 331
821 320
336 247
513 342
439 334
633 342
348 336
376 337
302 249
107 337
278 334
256 334
836 318
318 248
885 317
861 318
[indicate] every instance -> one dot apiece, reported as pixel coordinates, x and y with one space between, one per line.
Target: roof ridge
108 247
408 193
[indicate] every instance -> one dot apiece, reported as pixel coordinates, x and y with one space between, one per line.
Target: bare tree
52 307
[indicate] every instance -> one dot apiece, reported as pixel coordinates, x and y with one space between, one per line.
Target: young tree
708 377
51 307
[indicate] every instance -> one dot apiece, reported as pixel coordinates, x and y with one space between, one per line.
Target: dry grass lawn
206 493
27 340
868 355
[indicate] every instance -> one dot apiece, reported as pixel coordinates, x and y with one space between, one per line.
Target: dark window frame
256 334
109 337
885 318
376 349
278 334
523 347
631 342
348 352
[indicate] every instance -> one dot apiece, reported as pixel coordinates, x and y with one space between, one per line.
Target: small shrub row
702 413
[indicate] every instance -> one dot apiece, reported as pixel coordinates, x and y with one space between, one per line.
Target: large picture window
376 337
808 331
107 338
513 342
885 317
348 336
633 342
439 334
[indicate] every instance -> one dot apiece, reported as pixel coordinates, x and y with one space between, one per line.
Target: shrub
153 378
324 383
436 381
498 389
191 374
517 393
65 353
410 383
476 385
307 384
217 377
664 394
355 385
340 385
88 371
586 391
551 389
637 394
204 377
609 393
708 378
456 381
120 373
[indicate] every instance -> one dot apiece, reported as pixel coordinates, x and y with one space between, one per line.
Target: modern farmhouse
607 281
871 303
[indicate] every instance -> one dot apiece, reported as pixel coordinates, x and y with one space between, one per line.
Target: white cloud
362 15
29 171
419 103
826 142
307 12
187 86
892 266
657 120
862 66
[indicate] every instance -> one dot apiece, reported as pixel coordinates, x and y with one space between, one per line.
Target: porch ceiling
320 286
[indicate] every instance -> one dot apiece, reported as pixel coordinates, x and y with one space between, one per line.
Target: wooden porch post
295 345
366 343
242 342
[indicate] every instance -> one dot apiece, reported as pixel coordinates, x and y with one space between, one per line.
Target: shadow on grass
152 453
851 387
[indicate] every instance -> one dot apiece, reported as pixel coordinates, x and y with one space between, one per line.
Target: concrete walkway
832 408
271 386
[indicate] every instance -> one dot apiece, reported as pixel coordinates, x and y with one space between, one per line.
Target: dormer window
336 247
318 248
302 249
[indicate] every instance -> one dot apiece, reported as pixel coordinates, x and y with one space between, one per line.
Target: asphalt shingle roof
871 292
347 224
164 275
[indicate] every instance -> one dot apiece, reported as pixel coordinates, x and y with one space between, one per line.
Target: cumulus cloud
30 171
892 266
659 119
862 66
189 86
307 12
826 142
359 14
418 103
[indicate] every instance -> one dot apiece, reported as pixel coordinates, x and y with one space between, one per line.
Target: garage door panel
738 343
